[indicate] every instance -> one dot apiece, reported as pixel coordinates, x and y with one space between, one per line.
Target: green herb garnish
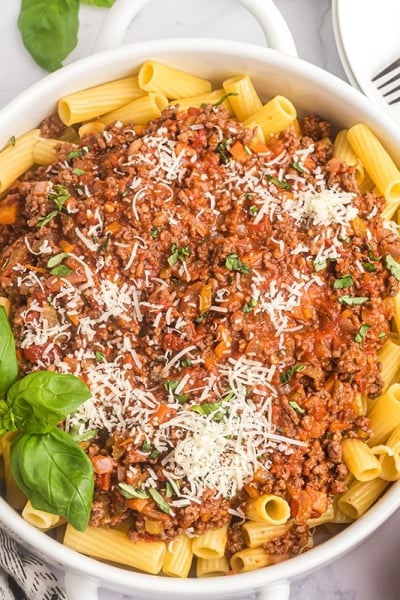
233 263
353 300
343 282
362 332
177 254
279 182
393 266
287 375
296 407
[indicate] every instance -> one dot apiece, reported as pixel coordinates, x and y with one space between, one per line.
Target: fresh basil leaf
286 376
362 332
393 266
8 359
296 407
353 300
56 259
128 491
159 500
49 30
55 474
40 400
343 282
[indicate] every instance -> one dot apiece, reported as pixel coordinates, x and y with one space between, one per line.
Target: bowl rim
122 578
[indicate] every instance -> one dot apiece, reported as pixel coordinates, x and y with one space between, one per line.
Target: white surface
367 34
370 571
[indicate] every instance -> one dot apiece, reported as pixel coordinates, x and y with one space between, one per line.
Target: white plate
367 35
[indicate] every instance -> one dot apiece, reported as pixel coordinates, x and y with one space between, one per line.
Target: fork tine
395 89
391 80
388 69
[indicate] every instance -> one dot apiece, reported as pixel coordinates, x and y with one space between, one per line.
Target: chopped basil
233 263
369 267
382 335
44 220
209 408
296 165
75 154
61 270
154 232
185 362
296 407
56 259
170 385
250 305
99 356
159 500
201 317
177 254
393 266
86 436
253 209
146 446
224 97
343 282
353 300
78 171
287 375
128 491
222 151
279 182
59 195
371 255
320 265
13 140
362 332
172 488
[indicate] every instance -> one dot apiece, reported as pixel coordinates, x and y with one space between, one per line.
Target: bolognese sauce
224 299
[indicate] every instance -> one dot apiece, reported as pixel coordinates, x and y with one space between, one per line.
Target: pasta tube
385 415
139 112
361 462
92 102
17 158
344 152
268 508
178 558
173 83
211 544
360 497
257 533
114 545
40 518
212 567
376 160
250 560
244 99
273 117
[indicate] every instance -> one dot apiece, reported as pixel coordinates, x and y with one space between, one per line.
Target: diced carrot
113 227
205 298
239 152
8 214
66 246
35 269
162 414
257 145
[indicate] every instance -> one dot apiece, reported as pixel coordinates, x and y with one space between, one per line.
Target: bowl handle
276 591
117 20
78 587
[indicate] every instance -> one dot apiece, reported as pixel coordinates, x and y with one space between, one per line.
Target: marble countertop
371 570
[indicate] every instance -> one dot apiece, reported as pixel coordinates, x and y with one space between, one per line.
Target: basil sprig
8 359
49 28
46 463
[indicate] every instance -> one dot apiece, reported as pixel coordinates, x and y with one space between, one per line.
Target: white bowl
312 90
